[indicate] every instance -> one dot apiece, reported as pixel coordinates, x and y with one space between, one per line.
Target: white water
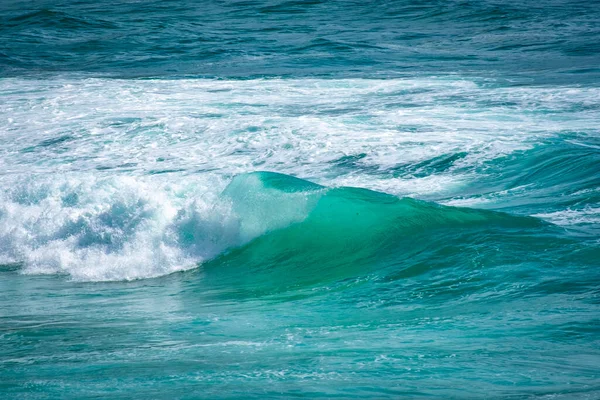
102 179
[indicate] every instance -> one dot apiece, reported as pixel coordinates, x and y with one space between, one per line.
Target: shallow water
299 199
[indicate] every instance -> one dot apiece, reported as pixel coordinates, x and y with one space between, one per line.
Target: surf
259 219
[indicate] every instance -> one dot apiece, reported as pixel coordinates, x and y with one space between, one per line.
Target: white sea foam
291 126
124 227
589 215
109 228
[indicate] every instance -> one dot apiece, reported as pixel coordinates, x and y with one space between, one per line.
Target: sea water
319 199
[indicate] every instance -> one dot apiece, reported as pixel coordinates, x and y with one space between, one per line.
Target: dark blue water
316 199
542 42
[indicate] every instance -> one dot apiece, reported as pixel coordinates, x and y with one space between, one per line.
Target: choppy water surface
299 199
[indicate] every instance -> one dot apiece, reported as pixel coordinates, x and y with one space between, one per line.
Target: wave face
309 235
264 199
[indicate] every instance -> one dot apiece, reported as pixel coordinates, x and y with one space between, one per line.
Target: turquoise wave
311 235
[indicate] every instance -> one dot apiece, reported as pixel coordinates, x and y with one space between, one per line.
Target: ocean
299 199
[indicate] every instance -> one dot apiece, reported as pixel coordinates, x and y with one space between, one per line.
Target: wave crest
124 228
